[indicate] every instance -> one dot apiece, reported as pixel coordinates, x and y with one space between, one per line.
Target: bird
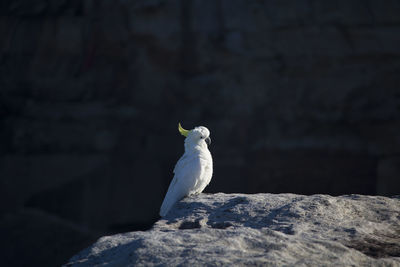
193 171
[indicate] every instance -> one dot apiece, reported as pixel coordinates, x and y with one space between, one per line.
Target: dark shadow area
376 248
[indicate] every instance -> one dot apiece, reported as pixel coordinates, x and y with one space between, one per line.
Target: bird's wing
181 162
187 171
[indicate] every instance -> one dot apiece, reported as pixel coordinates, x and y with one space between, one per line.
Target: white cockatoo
194 169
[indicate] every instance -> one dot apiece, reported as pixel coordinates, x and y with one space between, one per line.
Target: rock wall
300 97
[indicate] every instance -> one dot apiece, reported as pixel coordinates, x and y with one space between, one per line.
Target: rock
260 229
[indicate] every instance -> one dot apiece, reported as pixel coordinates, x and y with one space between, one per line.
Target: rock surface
261 229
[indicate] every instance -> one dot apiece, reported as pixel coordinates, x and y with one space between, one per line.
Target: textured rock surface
261 229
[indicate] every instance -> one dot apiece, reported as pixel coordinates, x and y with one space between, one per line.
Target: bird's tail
170 199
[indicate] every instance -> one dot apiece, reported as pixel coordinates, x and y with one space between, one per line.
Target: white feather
193 171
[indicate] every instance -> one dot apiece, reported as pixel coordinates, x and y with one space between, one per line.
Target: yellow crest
182 131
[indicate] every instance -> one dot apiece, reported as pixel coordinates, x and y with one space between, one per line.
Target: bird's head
199 135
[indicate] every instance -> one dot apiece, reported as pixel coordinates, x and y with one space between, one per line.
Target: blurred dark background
299 96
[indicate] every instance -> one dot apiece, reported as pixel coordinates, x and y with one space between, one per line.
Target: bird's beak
208 140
